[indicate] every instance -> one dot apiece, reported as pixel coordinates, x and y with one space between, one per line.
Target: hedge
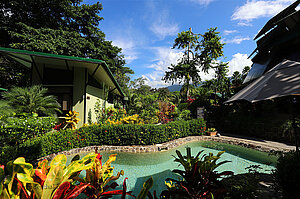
118 135
15 130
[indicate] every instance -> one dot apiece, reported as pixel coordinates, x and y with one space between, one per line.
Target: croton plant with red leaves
59 181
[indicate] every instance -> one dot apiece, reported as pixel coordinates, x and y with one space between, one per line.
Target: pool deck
257 144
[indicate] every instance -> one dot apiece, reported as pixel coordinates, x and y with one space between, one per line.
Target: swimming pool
138 167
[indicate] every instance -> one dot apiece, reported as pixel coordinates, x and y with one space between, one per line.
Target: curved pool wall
140 162
138 167
259 146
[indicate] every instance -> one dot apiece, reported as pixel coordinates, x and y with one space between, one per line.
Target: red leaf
116 192
77 190
119 192
99 157
225 173
124 189
110 193
20 185
40 174
112 185
61 191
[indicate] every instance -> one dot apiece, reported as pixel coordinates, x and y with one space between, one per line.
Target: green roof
28 57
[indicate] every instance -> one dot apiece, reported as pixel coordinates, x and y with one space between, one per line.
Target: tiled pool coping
265 146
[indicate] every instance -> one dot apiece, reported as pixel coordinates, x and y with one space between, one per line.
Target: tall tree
198 55
238 78
13 74
65 27
222 82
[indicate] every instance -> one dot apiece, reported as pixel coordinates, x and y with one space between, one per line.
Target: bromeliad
200 180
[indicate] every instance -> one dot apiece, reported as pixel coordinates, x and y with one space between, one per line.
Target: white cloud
202 2
164 57
228 32
244 24
128 48
238 62
162 26
207 76
236 40
254 9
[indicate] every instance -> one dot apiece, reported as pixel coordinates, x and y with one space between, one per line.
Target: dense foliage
57 180
288 173
15 130
66 27
128 134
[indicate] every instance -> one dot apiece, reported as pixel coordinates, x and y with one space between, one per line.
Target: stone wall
264 146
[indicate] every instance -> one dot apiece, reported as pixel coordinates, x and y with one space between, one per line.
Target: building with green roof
77 82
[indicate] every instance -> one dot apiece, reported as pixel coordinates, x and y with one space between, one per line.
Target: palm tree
32 100
5 109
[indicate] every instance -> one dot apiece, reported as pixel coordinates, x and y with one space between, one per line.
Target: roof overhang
96 68
277 18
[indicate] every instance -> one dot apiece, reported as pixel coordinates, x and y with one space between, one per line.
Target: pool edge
263 146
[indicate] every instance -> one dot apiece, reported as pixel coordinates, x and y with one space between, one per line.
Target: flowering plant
166 113
72 120
133 119
190 100
211 130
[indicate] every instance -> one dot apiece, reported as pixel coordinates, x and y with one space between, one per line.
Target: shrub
184 115
183 106
15 130
119 135
133 119
166 112
287 174
110 113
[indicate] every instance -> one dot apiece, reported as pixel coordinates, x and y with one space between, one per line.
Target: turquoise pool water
138 167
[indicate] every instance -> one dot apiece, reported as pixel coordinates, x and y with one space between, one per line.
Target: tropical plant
72 120
201 54
238 78
166 112
58 181
145 190
211 130
32 100
287 174
184 115
133 119
145 105
222 83
107 115
5 109
200 180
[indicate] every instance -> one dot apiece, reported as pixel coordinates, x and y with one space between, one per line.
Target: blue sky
146 30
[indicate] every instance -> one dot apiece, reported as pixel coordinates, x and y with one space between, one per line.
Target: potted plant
211 132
